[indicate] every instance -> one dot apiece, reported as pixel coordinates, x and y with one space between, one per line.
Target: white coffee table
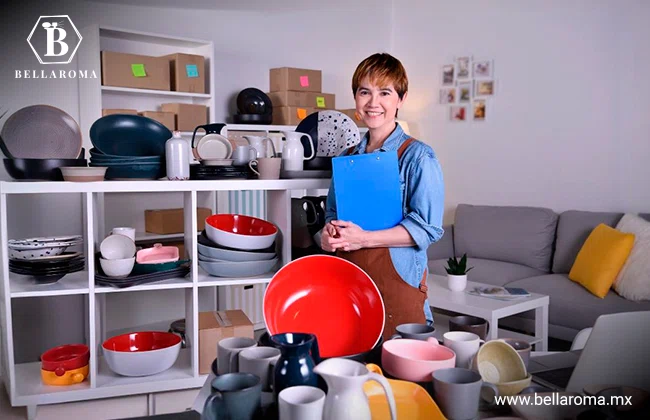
489 309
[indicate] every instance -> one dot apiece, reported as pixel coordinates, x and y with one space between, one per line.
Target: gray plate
238 269
232 255
42 132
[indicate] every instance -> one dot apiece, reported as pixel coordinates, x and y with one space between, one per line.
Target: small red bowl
141 341
239 231
63 358
329 297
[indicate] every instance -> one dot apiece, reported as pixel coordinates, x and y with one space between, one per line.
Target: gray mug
414 331
457 391
522 347
236 396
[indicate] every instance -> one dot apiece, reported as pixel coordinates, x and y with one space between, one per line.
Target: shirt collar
391 143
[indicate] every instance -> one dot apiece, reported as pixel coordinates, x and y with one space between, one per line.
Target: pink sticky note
304 81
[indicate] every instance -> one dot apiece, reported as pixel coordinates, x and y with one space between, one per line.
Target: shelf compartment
152 92
72 284
182 369
28 382
206 280
175 283
146 236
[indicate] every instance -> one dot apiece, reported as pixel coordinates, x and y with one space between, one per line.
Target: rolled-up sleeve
426 195
330 204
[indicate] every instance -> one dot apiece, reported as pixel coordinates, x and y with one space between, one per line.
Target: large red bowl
329 297
239 231
141 341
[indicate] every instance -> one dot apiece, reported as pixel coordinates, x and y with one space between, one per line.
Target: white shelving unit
23 381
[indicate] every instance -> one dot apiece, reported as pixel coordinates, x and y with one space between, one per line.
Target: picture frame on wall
448 75
483 69
457 113
463 67
448 95
464 92
479 109
484 87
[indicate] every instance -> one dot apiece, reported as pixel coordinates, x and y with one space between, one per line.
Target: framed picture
448 75
457 113
462 67
448 95
479 109
483 68
464 92
484 87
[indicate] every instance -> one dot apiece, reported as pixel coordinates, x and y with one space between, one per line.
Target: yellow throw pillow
601 258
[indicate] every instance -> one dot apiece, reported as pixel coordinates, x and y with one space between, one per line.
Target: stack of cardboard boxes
173 72
296 93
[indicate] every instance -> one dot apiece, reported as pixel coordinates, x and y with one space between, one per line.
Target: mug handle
372 376
252 153
233 362
311 143
212 406
250 165
494 389
395 337
312 207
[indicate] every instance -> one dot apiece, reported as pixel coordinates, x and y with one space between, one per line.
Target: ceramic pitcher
346 399
293 153
259 144
299 355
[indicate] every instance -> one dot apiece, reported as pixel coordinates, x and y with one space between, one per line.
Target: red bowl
241 225
141 341
329 297
64 358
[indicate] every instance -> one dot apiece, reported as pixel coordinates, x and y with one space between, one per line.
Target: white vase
457 283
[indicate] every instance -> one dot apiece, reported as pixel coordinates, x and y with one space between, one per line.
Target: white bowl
83 173
141 363
116 247
117 268
237 241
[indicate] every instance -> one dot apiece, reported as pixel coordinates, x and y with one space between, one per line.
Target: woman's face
377 105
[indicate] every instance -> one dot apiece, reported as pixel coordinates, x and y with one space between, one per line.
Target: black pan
45 169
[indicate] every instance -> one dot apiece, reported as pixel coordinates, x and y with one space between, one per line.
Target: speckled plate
332 132
42 132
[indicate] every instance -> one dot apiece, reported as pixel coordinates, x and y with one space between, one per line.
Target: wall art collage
467 85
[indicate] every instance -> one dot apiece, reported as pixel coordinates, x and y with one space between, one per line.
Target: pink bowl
157 255
415 360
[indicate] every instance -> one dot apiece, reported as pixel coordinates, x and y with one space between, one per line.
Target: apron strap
400 151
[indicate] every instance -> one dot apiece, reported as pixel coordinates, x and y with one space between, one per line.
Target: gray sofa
533 248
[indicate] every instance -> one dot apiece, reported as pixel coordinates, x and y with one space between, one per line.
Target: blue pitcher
299 356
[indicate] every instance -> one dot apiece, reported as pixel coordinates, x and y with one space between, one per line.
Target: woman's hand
329 238
350 236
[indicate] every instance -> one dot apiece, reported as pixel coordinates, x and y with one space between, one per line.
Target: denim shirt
422 191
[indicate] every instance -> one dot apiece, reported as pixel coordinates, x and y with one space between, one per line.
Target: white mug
228 353
260 361
126 231
464 344
301 403
243 154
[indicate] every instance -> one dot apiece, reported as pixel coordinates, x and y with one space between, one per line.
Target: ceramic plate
47 239
217 162
332 132
237 269
129 135
214 147
42 132
61 257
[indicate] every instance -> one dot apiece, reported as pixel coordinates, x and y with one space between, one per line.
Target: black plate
33 272
42 264
142 279
253 101
129 135
252 119
204 240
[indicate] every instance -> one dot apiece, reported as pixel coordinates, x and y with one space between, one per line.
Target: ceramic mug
269 168
458 392
260 361
126 231
243 154
228 353
234 396
472 324
301 403
464 344
414 331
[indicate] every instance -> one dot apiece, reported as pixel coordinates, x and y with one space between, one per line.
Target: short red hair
381 69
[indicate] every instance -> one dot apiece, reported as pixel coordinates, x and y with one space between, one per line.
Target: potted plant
457 273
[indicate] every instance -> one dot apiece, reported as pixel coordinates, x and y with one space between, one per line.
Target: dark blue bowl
129 135
134 171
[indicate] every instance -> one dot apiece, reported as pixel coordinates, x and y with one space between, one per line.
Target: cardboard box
303 99
289 78
290 115
135 71
168 221
352 113
187 72
188 116
214 327
165 118
108 111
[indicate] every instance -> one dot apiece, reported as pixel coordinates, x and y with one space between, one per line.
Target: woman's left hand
351 237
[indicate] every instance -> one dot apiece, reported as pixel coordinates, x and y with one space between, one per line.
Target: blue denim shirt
422 205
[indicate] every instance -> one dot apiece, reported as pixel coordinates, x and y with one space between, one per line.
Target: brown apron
403 303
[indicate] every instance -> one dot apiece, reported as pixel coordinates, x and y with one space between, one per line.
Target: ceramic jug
303 216
177 158
259 144
299 355
293 152
345 398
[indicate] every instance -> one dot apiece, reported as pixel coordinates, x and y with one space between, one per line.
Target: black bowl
252 119
45 169
254 101
319 163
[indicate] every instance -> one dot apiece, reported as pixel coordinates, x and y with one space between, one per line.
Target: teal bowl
133 171
155 268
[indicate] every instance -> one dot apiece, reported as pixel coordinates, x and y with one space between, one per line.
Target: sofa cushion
645 216
572 231
444 248
519 235
492 272
633 281
571 305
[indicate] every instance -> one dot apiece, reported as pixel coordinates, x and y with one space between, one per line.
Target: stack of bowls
128 167
501 365
65 365
117 255
45 259
234 245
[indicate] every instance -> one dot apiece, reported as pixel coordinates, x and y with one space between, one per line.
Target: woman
395 258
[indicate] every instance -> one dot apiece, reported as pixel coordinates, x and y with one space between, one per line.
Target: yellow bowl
413 402
70 377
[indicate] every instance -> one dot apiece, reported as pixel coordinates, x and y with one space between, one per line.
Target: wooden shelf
177 283
71 284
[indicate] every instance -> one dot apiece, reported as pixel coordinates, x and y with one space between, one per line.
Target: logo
54 39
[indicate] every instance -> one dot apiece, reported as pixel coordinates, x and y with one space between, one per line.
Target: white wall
568 128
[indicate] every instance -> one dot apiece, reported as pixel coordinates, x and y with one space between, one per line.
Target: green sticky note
320 101
138 70
191 70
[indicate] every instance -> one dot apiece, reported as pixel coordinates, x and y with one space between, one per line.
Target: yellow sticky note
138 70
320 101
302 113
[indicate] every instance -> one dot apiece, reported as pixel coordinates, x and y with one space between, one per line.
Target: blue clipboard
367 190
